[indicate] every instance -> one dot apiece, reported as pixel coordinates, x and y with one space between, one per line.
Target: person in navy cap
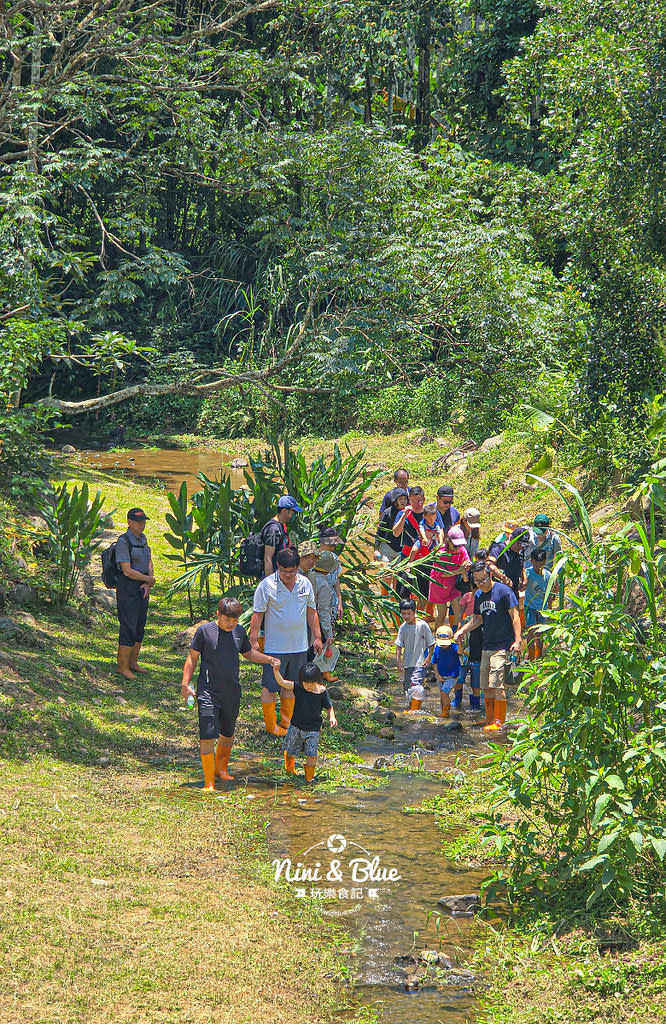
274 533
137 579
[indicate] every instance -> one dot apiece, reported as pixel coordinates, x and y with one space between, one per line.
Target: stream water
390 918
327 833
169 465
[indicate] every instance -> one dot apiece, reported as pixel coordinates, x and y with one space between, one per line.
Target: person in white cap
470 524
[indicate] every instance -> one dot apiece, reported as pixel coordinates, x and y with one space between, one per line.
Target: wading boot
222 763
270 720
208 765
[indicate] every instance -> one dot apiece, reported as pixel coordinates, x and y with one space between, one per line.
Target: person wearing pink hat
451 560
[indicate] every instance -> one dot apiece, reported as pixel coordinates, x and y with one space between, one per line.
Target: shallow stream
326 833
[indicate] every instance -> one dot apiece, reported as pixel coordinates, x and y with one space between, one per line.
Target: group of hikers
462 613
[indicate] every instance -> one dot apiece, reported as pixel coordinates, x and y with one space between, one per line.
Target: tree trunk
328 115
367 111
423 102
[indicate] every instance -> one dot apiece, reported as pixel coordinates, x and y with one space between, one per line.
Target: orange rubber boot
286 711
221 763
270 720
330 677
414 704
490 710
289 764
208 765
309 772
500 717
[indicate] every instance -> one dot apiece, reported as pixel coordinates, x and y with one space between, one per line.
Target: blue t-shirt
536 589
494 607
446 660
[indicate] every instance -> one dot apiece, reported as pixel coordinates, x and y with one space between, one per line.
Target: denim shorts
448 683
534 617
297 740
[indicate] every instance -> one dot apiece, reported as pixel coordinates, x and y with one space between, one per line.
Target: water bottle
191 701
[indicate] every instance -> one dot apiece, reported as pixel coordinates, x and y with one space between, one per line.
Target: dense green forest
307 215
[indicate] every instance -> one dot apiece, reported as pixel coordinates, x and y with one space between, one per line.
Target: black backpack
110 571
251 561
252 550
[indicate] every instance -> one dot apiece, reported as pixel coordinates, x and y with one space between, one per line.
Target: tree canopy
307 204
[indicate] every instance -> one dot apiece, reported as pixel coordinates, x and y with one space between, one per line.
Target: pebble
103 762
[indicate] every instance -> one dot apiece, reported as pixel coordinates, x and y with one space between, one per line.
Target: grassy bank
125 886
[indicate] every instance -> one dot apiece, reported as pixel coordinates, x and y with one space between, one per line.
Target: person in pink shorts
450 562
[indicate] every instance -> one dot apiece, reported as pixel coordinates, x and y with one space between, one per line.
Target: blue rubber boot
457 697
475 701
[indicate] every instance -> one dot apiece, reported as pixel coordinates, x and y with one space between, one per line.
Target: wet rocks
386 733
434 958
464 903
334 692
67 449
412 982
239 463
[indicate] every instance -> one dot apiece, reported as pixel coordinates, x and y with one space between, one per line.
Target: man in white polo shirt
285 603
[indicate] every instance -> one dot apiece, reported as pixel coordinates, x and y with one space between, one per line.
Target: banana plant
180 520
76 526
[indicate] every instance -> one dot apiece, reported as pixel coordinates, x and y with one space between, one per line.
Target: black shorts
290 664
132 609
218 712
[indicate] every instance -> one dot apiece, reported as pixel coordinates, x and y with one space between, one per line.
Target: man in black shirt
274 533
218 690
509 559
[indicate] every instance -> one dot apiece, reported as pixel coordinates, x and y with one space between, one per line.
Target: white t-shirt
285 613
414 638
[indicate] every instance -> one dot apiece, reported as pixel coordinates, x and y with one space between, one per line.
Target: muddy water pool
169 465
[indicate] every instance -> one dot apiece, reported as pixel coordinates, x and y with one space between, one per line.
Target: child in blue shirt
446 663
535 592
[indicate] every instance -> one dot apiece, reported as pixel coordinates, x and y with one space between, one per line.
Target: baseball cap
137 515
518 531
308 547
397 492
444 636
473 516
286 501
456 536
445 491
541 522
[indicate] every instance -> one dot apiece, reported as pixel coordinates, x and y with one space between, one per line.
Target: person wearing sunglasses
447 514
